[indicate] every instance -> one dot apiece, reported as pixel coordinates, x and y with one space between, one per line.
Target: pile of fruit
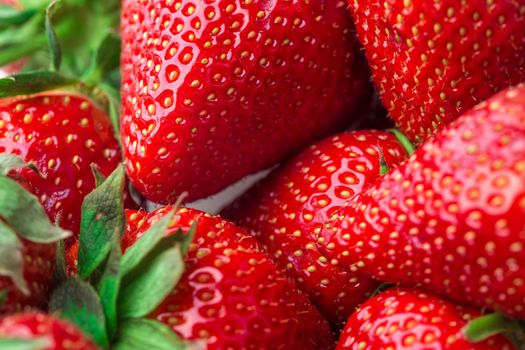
364 236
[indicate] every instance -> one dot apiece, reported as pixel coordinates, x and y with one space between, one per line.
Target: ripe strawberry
410 319
63 135
38 269
452 217
287 210
213 91
232 295
434 60
48 332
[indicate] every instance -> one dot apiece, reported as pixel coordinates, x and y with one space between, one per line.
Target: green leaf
151 283
77 302
99 177
10 16
61 265
10 162
11 259
52 39
17 205
102 220
33 82
105 60
489 325
143 334
24 344
108 288
403 140
145 245
186 239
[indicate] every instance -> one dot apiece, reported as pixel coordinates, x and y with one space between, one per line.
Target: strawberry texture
232 295
57 334
287 210
63 135
434 60
451 219
38 269
214 91
403 319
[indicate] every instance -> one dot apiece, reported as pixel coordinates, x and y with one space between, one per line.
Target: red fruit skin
232 295
62 135
434 60
216 90
287 210
404 319
39 267
60 335
451 219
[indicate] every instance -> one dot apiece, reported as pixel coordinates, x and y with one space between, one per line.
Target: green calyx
114 292
81 41
21 218
486 326
79 25
403 140
24 344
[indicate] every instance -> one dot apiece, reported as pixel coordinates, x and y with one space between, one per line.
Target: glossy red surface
403 319
58 334
216 90
232 295
452 218
287 210
434 60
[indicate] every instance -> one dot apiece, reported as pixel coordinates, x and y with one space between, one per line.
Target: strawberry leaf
10 162
33 82
145 245
108 289
52 39
143 334
10 16
105 60
11 259
489 325
102 220
61 265
24 344
151 282
403 140
77 302
99 177
16 205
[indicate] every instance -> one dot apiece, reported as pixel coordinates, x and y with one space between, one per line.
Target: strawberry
452 217
213 91
27 249
232 295
43 332
287 210
434 60
411 319
63 135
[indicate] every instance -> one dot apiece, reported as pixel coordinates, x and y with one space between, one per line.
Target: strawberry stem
403 140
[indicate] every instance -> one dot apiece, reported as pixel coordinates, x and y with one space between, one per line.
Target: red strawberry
38 269
434 60
409 319
232 295
53 333
215 90
452 217
63 135
287 210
